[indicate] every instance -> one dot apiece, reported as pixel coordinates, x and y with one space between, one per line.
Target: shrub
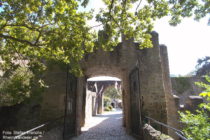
107 109
110 107
107 101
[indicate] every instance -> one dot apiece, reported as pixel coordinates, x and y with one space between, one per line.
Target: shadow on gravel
109 129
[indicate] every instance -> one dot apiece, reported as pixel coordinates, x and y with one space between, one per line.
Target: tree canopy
35 31
46 29
112 93
135 18
56 29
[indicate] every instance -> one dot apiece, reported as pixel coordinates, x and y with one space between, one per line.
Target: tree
36 31
197 125
203 66
112 93
32 32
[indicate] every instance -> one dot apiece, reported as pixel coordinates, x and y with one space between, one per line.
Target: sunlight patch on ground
93 122
96 120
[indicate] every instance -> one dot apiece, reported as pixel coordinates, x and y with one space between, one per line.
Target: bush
108 108
107 101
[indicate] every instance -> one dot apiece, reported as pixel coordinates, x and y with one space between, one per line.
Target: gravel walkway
107 126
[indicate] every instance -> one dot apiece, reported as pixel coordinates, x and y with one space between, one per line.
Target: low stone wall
151 134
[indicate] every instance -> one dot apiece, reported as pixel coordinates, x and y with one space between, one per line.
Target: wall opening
102 100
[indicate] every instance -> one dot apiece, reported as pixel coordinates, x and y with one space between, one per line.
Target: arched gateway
145 84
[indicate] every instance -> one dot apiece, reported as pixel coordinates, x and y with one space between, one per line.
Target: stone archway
152 69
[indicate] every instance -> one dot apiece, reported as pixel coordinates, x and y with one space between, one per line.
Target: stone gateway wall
153 97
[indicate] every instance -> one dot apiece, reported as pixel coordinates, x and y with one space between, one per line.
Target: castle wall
154 84
155 97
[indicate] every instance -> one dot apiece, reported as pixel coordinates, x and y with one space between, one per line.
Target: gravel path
107 126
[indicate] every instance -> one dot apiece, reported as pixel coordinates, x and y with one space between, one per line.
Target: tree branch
115 21
20 40
26 26
138 5
37 40
124 8
111 6
110 15
3 26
